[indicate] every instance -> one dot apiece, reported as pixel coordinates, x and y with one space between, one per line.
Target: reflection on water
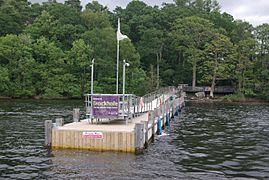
208 141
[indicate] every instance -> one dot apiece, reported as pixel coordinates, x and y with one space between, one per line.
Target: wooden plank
116 140
128 142
120 141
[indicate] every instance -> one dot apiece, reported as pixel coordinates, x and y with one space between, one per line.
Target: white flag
119 35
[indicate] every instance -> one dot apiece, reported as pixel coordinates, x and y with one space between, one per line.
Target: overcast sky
253 11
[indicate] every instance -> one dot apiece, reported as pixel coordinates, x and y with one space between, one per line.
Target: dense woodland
46 49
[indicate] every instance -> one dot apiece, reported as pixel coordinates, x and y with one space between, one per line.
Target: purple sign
105 106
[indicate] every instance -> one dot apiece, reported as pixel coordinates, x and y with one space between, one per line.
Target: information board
105 106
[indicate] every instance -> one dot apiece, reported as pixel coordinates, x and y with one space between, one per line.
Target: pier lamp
92 71
123 84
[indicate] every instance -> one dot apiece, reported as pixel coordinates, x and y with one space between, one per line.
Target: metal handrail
132 104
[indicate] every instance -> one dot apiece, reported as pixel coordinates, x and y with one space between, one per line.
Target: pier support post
59 122
146 123
168 122
173 109
163 113
48 133
152 119
159 126
139 138
76 115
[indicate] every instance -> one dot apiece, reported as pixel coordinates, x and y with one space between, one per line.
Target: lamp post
123 84
92 68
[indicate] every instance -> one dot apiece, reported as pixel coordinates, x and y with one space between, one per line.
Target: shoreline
217 99
222 100
39 98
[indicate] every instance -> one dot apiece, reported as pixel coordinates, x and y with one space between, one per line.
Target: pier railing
126 106
157 121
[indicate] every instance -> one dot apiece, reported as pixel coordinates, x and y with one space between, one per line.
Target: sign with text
105 106
92 135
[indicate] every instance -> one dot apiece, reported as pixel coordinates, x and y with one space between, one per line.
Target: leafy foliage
46 50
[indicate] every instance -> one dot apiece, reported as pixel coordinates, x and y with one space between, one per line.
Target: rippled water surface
207 141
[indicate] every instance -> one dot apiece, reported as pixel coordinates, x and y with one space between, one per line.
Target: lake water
207 141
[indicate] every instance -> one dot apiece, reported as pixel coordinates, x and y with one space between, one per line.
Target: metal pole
123 87
92 66
92 76
123 81
118 56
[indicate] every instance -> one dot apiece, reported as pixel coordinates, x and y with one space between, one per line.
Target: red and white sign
92 135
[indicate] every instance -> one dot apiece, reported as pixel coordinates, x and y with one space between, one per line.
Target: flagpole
118 54
119 38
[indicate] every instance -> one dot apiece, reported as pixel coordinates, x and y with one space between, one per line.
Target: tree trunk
240 84
179 58
214 77
212 86
240 76
194 67
152 77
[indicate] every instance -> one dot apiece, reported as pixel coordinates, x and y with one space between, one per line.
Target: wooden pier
132 135
206 89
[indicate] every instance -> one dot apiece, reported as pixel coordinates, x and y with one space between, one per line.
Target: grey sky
253 11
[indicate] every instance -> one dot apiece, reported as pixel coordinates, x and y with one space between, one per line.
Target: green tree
94 6
16 59
151 45
79 60
49 68
262 64
44 25
4 81
192 34
93 19
220 60
75 4
13 16
242 36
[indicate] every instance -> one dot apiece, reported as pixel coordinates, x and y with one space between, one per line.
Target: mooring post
176 107
163 113
59 122
152 119
159 126
139 138
48 133
168 122
173 111
146 133
76 114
